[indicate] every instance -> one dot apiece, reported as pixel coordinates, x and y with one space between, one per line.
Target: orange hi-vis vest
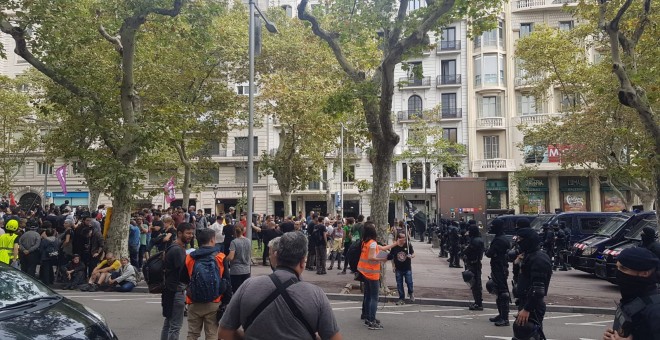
190 264
369 268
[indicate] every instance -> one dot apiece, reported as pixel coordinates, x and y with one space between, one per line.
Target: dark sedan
30 310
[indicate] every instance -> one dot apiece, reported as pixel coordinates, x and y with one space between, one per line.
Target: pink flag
170 194
61 177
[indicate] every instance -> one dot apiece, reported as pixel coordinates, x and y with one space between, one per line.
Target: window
77 168
450 134
415 106
490 69
533 153
500 32
415 70
568 102
349 173
449 109
415 4
490 38
288 10
448 40
241 175
43 168
416 175
489 106
491 147
243 89
241 146
526 105
448 70
404 168
209 175
566 25
526 29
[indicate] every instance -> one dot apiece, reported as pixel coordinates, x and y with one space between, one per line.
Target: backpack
353 255
153 271
205 280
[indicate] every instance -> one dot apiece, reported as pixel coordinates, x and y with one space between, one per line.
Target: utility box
461 198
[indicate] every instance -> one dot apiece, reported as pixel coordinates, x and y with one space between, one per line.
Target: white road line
341 303
501 337
109 295
379 308
593 323
117 300
562 316
468 317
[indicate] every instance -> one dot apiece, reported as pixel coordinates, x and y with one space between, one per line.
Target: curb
452 303
466 303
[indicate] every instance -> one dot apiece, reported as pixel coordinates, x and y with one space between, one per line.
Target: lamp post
341 176
215 200
250 173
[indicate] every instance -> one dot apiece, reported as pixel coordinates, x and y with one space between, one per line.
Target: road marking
563 316
345 302
117 300
466 317
593 323
356 307
501 337
108 295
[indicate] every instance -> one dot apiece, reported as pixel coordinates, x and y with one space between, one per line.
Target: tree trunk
381 162
186 187
94 195
121 215
286 197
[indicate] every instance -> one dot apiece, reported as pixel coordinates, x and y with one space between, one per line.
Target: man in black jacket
639 311
499 271
473 253
75 273
532 286
454 246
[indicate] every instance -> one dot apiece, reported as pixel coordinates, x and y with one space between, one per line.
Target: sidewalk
435 281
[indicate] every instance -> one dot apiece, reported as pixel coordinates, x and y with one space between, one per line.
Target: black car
584 253
30 310
582 224
509 225
605 266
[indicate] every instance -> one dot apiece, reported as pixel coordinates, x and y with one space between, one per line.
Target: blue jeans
173 306
400 275
134 253
370 300
220 247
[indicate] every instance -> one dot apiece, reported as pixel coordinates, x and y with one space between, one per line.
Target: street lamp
341 176
215 200
250 173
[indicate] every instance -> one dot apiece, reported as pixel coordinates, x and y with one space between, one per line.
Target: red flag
12 199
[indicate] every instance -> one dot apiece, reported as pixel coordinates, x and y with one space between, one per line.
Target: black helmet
468 276
522 223
491 287
496 226
527 331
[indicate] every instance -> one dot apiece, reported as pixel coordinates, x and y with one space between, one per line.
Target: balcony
407 82
523 5
448 46
497 164
535 119
409 115
448 80
490 123
452 113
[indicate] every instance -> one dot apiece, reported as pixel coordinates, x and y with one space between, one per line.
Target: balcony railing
539 118
528 4
490 123
448 45
449 79
497 164
409 114
415 82
452 112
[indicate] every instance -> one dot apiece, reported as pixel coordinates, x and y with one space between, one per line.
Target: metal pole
250 170
341 176
46 169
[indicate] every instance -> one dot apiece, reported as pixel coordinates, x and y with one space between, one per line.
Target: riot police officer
532 285
473 253
639 311
549 240
499 272
559 249
442 238
454 246
649 240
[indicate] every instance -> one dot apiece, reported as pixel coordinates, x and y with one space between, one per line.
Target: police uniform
474 252
454 247
499 272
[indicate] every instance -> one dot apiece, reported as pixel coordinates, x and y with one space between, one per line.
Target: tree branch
113 40
398 23
642 23
330 39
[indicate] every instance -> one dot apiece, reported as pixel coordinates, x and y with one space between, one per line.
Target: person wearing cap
75 273
638 313
650 240
532 285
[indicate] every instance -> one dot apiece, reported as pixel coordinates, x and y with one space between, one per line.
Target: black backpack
154 271
353 255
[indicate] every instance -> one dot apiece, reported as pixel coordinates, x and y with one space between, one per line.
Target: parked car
605 265
509 225
583 254
540 220
30 310
582 224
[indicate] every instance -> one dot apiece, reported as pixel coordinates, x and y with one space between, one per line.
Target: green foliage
19 133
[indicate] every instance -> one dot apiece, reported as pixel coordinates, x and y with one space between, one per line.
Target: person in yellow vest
369 267
9 243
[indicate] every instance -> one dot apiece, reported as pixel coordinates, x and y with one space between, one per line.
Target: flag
61 177
170 194
12 199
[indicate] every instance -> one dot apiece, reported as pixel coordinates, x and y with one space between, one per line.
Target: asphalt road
138 316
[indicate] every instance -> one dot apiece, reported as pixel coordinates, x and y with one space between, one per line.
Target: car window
568 220
611 226
589 225
636 231
537 223
16 286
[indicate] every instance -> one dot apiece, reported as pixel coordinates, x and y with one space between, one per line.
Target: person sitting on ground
74 273
124 279
101 273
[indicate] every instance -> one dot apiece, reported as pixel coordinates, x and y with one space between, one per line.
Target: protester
125 278
49 250
74 273
101 273
29 255
401 255
172 297
218 226
240 253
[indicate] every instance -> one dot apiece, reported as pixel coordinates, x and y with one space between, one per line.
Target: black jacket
497 253
535 270
474 251
645 324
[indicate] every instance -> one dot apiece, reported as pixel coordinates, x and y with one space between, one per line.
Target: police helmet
12 225
468 276
491 287
529 330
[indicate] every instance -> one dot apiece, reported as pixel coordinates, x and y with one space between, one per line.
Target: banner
12 199
61 177
170 194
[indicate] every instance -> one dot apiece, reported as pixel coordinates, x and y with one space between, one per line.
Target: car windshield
16 286
539 220
611 226
636 231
